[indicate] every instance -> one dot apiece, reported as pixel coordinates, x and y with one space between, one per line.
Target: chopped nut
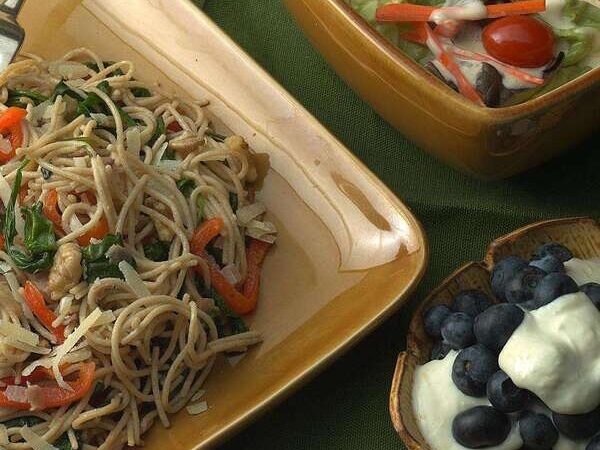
239 145
66 270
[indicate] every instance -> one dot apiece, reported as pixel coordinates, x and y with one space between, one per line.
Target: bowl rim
392 52
408 356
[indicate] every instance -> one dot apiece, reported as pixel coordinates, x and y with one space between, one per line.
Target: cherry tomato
520 41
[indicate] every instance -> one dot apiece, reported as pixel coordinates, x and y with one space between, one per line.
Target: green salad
473 47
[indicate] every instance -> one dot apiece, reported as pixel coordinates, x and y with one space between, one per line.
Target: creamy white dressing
436 401
459 10
469 39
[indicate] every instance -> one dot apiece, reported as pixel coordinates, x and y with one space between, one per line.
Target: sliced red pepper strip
210 229
38 374
11 128
55 396
98 231
205 233
50 210
2 242
408 12
174 127
255 255
437 48
37 304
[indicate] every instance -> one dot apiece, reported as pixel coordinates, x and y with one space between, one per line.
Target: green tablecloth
346 407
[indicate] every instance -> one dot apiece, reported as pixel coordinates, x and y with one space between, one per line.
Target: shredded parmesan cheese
36 442
133 279
70 342
197 408
19 333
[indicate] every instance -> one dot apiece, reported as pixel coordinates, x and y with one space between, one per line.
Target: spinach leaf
157 250
233 201
186 186
200 203
95 262
64 443
92 104
230 322
158 132
14 96
99 397
63 89
39 231
95 68
168 154
39 239
20 422
141 92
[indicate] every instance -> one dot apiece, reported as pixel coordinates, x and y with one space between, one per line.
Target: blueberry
503 271
495 326
457 330
549 264
594 443
521 286
537 431
579 426
553 286
504 395
555 249
481 426
471 302
433 319
472 369
592 290
440 350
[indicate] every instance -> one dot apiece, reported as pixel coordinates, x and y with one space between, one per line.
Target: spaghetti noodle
131 244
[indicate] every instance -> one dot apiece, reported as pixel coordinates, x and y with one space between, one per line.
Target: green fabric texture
346 407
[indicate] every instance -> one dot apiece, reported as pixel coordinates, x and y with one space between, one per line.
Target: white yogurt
584 270
555 353
436 401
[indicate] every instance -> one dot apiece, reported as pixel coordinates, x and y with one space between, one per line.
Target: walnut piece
66 270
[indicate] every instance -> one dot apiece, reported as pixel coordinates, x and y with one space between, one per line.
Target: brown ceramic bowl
486 142
580 235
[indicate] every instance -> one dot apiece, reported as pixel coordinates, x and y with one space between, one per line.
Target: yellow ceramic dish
489 143
348 253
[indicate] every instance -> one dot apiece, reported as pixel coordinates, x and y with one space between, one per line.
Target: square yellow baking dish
489 143
348 252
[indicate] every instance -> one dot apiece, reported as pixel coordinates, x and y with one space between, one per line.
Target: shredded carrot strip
98 231
437 48
255 255
408 12
520 74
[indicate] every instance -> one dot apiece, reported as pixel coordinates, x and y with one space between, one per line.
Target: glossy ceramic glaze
580 235
489 143
349 251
